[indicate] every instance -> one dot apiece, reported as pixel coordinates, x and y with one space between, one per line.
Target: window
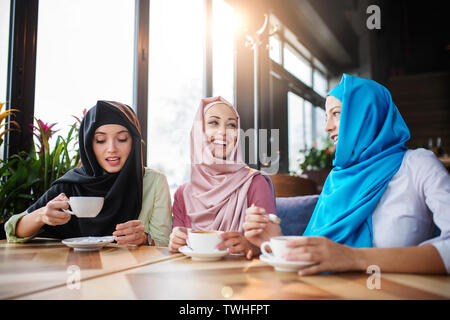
296 130
303 128
176 41
320 83
309 125
321 135
293 40
84 54
275 49
305 121
223 50
297 65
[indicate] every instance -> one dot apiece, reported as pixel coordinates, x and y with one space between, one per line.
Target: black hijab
122 190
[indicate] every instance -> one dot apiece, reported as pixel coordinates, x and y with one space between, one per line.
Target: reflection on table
40 270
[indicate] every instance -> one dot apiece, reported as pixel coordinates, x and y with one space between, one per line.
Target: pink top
259 194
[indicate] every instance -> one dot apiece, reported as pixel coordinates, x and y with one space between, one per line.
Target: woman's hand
177 238
329 255
130 232
257 226
237 243
52 213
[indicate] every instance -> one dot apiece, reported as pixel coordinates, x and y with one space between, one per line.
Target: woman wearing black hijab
137 203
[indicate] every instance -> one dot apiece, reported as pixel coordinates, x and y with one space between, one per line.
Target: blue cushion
295 213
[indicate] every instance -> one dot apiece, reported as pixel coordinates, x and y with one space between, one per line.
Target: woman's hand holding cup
178 238
235 242
52 213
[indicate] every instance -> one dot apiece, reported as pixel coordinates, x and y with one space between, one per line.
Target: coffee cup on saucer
277 246
85 207
204 240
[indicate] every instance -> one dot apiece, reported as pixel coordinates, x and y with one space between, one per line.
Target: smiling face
112 145
333 108
221 124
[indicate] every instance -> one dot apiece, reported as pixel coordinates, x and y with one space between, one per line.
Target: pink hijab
216 196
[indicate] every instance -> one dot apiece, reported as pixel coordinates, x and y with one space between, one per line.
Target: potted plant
26 176
316 163
3 130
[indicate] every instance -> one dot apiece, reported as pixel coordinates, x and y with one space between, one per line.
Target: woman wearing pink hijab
222 186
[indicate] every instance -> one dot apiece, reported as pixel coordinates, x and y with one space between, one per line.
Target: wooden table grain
38 270
44 264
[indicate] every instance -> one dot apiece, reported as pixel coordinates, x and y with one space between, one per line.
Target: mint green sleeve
156 213
10 229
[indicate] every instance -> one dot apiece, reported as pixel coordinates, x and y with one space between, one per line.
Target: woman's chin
113 169
221 155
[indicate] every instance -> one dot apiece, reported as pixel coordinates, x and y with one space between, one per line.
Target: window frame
296 85
21 74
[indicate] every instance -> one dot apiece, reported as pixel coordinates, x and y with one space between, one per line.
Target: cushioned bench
295 213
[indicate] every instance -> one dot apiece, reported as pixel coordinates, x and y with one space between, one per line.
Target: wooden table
39 270
43 264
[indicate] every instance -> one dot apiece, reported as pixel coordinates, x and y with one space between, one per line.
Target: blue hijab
369 152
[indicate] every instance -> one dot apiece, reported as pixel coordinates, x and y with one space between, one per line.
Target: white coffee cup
204 240
85 207
277 245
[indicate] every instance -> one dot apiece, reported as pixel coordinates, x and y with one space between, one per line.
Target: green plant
316 159
26 176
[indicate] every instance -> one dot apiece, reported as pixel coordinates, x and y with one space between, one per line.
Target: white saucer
203 256
285 266
88 243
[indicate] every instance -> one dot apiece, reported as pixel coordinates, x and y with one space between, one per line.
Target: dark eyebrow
235 119
122 131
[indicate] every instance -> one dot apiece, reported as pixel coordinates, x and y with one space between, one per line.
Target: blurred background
275 60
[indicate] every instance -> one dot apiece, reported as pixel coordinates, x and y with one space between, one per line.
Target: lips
220 142
113 161
334 137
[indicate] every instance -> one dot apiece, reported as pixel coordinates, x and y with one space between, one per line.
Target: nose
329 125
221 130
111 146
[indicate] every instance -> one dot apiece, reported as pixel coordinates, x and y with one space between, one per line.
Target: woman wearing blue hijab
381 203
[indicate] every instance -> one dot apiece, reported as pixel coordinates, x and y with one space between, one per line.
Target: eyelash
103 141
334 114
216 123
